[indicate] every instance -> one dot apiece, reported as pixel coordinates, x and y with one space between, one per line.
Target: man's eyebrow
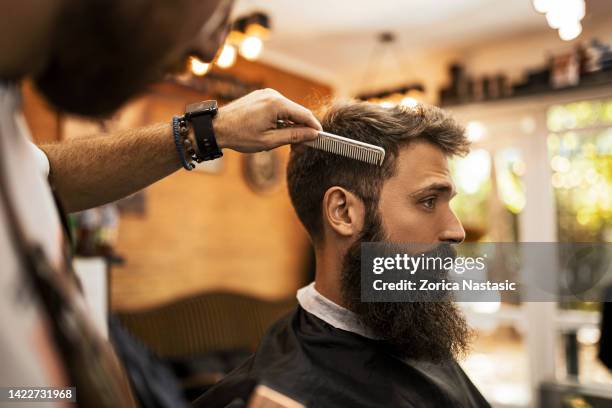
435 188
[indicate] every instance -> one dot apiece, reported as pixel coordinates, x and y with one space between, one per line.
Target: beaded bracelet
179 132
187 144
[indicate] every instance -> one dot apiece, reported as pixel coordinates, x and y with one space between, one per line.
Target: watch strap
205 137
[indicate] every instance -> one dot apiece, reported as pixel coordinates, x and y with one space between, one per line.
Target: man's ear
343 211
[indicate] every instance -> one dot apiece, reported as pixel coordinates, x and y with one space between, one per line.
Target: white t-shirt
27 352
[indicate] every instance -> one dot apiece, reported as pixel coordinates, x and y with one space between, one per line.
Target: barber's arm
88 172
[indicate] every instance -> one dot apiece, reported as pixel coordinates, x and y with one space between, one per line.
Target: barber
88 58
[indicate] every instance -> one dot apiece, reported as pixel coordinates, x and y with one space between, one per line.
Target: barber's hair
311 172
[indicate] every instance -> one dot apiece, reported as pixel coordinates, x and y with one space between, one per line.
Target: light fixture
406 94
564 12
542 6
198 67
564 16
570 31
258 25
251 47
227 58
248 34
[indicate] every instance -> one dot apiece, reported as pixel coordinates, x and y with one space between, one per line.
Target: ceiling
334 39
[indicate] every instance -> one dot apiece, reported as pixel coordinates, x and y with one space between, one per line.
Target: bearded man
335 350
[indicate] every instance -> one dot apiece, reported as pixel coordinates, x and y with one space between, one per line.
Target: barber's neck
329 269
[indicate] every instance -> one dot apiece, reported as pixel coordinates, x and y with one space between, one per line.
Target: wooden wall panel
43 121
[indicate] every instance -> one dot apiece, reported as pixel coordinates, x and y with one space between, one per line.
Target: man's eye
429 203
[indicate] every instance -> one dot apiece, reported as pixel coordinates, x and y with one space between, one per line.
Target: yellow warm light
409 102
198 67
227 58
257 30
251 47
235 38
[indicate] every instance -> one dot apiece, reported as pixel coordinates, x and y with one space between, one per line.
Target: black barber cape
318 365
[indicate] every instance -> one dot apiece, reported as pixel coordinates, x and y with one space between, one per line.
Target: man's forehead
422 165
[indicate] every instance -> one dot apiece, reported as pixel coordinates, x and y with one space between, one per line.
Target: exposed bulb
227 58
198 67
570 31
251 47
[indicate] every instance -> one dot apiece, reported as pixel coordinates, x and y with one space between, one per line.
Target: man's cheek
407 228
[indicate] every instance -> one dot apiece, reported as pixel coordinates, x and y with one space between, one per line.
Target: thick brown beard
100 59
431 331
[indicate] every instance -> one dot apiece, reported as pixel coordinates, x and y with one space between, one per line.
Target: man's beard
433 331
98 60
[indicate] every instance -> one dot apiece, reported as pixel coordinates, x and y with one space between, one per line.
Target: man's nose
453 231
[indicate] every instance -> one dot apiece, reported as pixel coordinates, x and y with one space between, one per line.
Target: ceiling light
227 58
258 25
198 67
251 47
565 12
570 31
542 6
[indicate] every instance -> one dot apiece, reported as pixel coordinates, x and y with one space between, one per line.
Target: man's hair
311 172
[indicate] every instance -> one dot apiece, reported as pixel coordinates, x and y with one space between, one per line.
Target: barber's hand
249 124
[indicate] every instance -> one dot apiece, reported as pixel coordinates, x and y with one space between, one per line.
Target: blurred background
200 263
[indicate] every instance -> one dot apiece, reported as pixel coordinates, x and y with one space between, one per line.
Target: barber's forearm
96 170
92 171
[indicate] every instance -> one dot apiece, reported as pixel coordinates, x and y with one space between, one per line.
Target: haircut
311 172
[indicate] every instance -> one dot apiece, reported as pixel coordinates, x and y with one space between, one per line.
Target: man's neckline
331 313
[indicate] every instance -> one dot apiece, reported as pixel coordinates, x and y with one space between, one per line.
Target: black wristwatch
200 115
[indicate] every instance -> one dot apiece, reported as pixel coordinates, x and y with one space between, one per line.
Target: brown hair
311 172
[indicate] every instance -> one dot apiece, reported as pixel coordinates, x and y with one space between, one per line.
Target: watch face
199 108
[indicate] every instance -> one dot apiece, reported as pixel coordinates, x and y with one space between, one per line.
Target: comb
353 149
343 146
